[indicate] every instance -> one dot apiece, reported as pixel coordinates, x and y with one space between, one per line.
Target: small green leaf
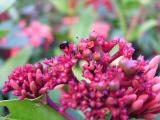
78 73
60 5
108 115
20 59
30 110
147 25
114 50
141 29
81 29
5 4
3 33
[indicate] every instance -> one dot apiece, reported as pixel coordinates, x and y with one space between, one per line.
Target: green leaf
114 50
142 29
20 59
30 110
60 5
158 117
78 73
6 4
81 29
147 25
108 115
3 33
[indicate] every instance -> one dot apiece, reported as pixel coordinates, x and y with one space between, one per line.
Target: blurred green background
31 30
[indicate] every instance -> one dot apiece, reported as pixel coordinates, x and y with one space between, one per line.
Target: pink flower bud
156 87
151 73
23 92
43 90
33 87
96 55
154 62
110 101
14 84
132 97
114 85
30 79
39 76
93 36
143 97
137 105
156 79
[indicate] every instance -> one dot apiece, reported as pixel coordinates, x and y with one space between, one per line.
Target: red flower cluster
29 81
127 90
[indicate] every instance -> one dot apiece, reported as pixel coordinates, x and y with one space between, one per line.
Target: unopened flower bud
33 87
114 85
14 85
93 36
156 87
137 105
154 62
38 76
143 97
96 55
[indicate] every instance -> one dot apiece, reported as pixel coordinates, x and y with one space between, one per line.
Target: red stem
52 104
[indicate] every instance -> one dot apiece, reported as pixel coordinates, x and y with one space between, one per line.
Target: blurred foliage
20 59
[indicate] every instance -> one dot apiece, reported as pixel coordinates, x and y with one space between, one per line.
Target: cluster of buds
127 90
29 81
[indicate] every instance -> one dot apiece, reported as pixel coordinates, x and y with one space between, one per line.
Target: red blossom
127 90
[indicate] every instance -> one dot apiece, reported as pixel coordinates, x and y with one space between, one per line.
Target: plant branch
52 104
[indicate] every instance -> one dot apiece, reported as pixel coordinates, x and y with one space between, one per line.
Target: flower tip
137 105
154 62
93 36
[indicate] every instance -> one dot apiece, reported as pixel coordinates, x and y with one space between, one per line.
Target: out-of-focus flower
101 28
4 16
127 90
37 33
97 3
69 20
43 35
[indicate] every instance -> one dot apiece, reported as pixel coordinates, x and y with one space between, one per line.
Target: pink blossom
127 90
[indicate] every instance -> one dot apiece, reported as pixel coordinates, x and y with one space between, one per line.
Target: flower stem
52 104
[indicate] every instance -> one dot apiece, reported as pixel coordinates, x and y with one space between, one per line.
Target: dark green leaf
21 58
108 115
30 110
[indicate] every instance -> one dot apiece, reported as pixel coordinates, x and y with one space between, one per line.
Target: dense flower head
128 89
28 81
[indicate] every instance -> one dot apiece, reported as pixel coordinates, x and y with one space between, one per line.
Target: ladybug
64 45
